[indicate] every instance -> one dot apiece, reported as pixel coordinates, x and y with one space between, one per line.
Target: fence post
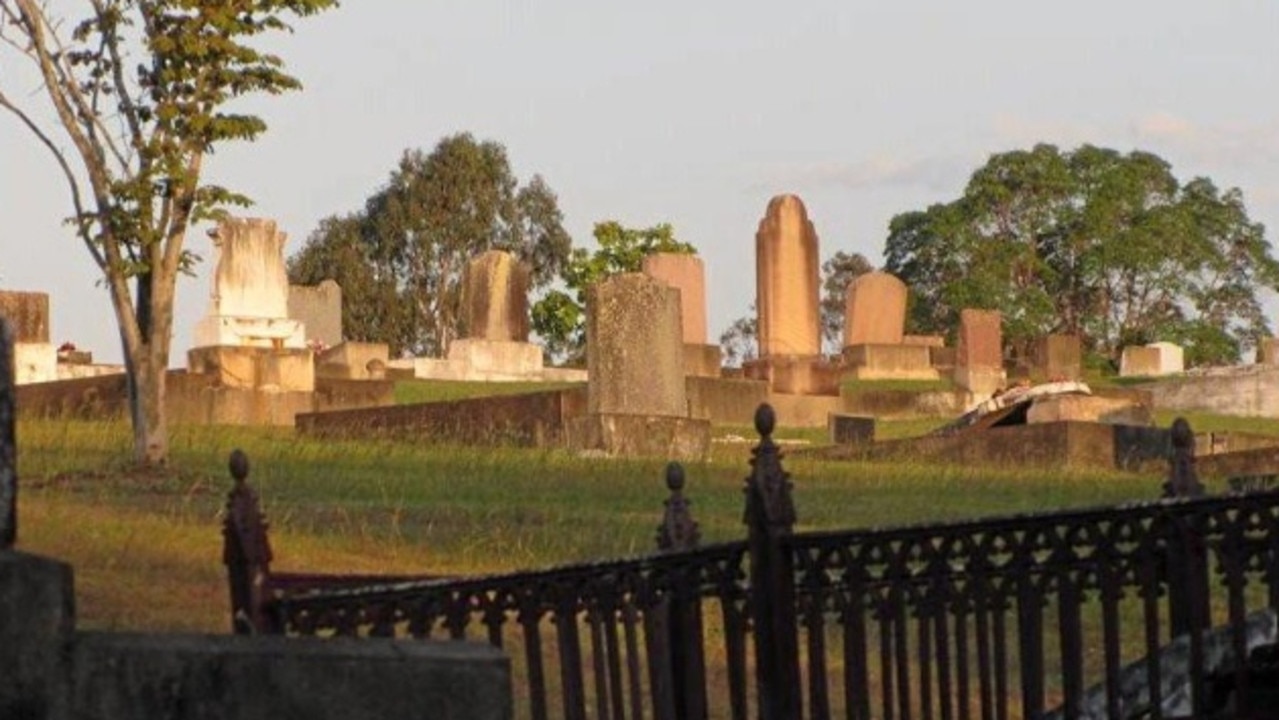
678 533
246 552
1187 556
770 516
8 446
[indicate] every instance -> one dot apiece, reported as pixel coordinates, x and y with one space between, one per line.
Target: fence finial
1182 481
8 447
768 489
246 551
678 530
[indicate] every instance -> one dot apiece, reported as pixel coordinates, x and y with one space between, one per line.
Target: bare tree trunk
146 406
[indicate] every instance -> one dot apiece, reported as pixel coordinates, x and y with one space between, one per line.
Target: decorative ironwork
678 530
8 446
1183 481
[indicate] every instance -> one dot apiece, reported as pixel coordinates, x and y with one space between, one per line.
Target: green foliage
400 261
560 317
838 272
1092 242
142 90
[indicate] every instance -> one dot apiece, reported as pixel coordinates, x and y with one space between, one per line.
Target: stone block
230 331
1139 361
634 347
194 399
686 273
28 315
34 363
889 362
203 677
249 280
980 381
497 357
850 429
787 281
932 341
796 375
37 621
282 370
353 361
980 339
495 298
1088 408
874 310
725 401
1268 351
1171 358
616 435
702 360
319 309
1056 358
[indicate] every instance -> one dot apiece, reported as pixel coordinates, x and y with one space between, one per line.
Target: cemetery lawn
147 547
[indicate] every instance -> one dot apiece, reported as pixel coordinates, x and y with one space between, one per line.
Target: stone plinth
319 309
619 435
1056 358
850 429
874 310
634 347
495 298
28 315
686 273
1268 351
1151 360
34 363
37 620
278 370
787 281
702 360
796 375
1088 408
249 332
353 361
889 362
980 382
501 357
932 341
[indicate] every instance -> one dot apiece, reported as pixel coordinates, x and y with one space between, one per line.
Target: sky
696 113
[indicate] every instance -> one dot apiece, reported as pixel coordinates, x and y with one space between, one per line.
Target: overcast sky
697 112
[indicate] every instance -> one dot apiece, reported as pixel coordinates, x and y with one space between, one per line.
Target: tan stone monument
319 309
1056 357
686 273
636 402
248 340
1161 358
1268 351
875 346
35 359
979 354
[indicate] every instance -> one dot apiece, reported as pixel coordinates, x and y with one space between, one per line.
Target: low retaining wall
1248 391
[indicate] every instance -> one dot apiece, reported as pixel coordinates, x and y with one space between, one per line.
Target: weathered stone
980 339
319 309
1171 359
27 313
797 375
702 360
850 429
1151 360
37 621
932 341
495 298
685 273
725 400
630 435
634 347
1268 351
35 363
1088 408
255 368
250 296
1056 358
351 360
787 281
875 310
889 362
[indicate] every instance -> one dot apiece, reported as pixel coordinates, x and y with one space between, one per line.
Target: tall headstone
979 354
875 310
319 309
495 297
636 401
249 303
685 273
787 281
35 359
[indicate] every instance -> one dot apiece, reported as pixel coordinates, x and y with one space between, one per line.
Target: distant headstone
874 310
1057 357
28 315
1268 351
495 298
319 309
1151 360
249 304
787 281
850 429
1172 359
634 347
980 339
685 273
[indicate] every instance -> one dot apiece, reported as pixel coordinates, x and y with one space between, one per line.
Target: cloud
1243 145
1018 131
936 173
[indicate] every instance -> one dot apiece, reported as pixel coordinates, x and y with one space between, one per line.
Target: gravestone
35 359
979 354
636 402
1057 357
1171 358
875 310
249 302
495 298
319 309
686 273
787 281
1268 351
1151 360
850 429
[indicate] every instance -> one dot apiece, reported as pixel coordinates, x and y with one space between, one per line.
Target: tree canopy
559 318
1106 245
140 90
400 260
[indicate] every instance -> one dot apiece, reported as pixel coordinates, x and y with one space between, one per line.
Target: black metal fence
1070 614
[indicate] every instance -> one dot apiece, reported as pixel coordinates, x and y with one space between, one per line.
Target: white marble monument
249 305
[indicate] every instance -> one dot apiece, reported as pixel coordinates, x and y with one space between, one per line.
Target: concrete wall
1243 391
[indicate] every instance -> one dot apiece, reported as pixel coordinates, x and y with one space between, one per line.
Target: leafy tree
1094 242
740 342
400 261
837 273
140 90
560 317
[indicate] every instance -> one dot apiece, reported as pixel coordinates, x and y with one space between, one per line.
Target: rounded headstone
875 310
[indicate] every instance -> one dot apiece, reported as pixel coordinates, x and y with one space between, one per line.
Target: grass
423 391
940 385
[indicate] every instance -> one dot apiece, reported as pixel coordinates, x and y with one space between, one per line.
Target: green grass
423 391
1204 422
854 386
